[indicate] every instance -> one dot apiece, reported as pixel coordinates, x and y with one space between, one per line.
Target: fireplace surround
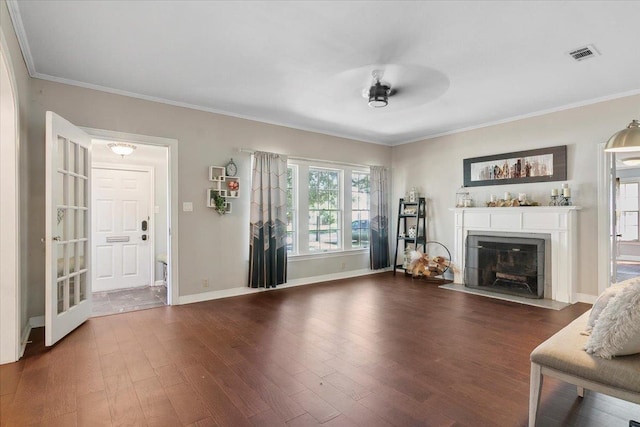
559 223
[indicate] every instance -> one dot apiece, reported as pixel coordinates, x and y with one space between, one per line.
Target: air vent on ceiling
583 53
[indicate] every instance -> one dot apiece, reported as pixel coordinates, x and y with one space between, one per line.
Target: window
292 212
325 227
327 209
360 209
628 210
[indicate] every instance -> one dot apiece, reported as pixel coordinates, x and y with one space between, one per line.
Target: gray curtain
268 221
379 245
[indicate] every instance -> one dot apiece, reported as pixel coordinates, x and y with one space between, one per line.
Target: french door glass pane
82 161
73 153
60 295
72 190
58 188
61 261
72 291
60 162
83 286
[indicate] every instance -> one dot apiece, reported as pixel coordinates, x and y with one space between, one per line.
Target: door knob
56 238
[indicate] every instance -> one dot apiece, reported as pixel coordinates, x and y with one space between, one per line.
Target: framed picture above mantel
520 167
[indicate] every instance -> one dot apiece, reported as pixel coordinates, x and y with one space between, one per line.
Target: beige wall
210 246
435 165
22 80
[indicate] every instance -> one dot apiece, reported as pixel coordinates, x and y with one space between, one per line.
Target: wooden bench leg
580 391
535 383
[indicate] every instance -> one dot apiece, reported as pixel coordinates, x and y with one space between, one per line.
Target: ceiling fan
379 92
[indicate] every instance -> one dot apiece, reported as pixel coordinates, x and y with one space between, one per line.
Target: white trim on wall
604 232
172 215
10 284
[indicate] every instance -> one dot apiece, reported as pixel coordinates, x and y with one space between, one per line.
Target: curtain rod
307 159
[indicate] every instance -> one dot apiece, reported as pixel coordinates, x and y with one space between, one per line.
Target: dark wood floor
373 351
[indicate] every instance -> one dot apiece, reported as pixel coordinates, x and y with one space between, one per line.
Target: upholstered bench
563 357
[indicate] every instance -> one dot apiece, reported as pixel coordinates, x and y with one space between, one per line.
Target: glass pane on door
83 286
72 291
61 261
61 158
60 295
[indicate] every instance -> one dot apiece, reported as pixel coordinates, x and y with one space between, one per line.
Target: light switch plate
187 206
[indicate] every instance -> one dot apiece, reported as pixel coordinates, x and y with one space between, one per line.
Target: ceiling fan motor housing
378 95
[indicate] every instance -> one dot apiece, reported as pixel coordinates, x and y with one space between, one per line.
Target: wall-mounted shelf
222 187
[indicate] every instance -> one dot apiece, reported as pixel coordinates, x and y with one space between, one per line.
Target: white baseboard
586 298
158 283
24 340
34 322
233 292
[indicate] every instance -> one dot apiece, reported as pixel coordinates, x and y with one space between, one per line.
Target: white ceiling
456 65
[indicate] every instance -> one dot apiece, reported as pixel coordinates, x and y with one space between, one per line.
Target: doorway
618 222
627 238
130 228
10 285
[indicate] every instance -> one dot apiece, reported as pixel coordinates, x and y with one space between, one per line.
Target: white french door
121 231
67 194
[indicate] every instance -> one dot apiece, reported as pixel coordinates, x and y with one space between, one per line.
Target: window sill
332 254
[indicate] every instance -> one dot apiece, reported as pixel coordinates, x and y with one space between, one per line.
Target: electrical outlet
205 283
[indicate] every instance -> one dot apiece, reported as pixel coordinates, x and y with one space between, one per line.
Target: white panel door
67 204
122 248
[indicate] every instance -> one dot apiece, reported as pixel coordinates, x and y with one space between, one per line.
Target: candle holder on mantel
554 200
564 201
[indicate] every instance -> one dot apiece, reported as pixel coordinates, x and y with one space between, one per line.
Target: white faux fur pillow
617 330
604 299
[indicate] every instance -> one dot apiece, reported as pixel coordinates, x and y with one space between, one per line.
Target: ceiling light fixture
379 92
121 148
631 161
379 95
626 140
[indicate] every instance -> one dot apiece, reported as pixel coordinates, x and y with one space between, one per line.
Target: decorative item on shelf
220 203
511 203
413 195
410 211
231 169
461 195
412 232
233 188
565 199
216 173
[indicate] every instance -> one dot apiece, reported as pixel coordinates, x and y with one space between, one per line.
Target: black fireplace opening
509 265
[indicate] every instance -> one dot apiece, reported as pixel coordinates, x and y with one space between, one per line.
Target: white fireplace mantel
559 222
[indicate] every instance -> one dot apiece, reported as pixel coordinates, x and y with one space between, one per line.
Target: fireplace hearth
509 265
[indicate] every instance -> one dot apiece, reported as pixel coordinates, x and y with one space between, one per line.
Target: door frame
151 210
604 212
171 144
11 348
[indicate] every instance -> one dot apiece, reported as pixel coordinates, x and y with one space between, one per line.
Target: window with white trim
325 200
292 212
628 210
